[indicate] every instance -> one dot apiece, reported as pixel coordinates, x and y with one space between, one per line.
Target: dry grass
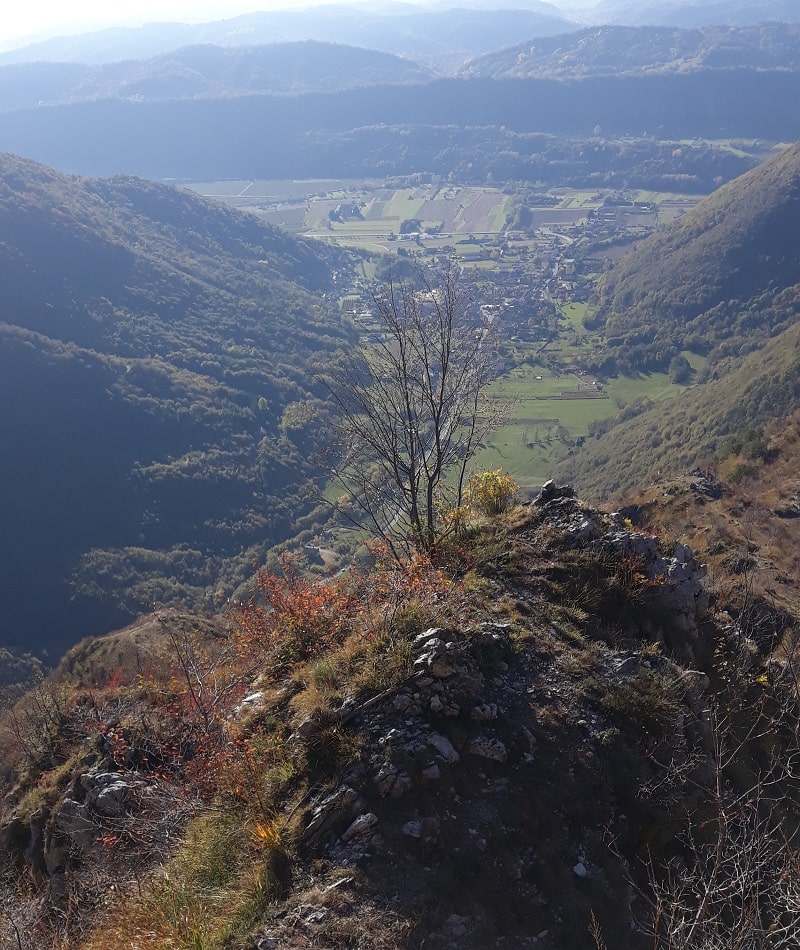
209 896
335 914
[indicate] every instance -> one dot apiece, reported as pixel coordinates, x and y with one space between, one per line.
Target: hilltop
511 747
158 353
206 72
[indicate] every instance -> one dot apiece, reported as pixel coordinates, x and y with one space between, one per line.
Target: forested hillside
158 355
653 440
267 136
689 13
719 281
646 50
723 283
206 71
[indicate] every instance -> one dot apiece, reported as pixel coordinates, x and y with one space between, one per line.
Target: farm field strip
542 426
455 209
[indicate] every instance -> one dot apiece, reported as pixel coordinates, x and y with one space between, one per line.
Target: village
529 260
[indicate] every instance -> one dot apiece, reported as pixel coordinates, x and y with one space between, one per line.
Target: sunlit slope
688 431
643 50
721 280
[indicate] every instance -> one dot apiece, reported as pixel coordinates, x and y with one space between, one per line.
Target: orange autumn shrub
297 618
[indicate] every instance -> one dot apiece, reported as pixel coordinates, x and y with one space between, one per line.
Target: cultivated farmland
525 260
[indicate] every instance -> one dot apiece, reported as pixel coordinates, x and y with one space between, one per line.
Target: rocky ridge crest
506 791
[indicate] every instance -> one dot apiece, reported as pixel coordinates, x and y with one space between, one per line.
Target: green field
305 206
545 416
574 313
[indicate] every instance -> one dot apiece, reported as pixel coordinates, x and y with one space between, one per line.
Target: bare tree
733 881
412 408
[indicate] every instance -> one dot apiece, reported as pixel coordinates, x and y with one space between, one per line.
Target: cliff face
529 770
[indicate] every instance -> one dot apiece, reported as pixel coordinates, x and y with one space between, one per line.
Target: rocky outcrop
439 715
60 837
678 601
494 768
480 792
465 763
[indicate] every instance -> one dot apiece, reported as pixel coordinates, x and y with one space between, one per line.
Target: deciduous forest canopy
153 346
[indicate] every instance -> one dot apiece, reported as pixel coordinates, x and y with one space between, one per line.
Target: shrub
297 617
491 492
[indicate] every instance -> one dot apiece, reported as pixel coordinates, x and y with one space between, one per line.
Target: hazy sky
22 20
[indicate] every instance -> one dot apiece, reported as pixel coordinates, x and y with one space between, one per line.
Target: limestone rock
487 748
443 747
335 811
249 703
108 793
552 492
361 825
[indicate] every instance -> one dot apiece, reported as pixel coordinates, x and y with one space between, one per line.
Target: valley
199 512
530 258
398 480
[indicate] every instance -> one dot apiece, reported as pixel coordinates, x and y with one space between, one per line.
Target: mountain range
646 50
213 71
689 13
311 109
436 34
432 35
206 72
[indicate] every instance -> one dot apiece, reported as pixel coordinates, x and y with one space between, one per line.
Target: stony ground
517 788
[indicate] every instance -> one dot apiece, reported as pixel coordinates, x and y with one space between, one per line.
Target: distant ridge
206 72
286 136
644 50
690 13
438 37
